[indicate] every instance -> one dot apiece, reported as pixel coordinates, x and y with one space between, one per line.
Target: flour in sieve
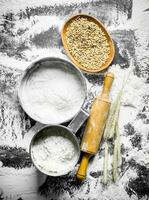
54 153
53 94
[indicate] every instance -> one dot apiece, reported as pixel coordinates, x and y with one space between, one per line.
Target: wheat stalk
112 132
119 144
105 169
115 161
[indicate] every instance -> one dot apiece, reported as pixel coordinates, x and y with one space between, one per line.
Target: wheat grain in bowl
87 43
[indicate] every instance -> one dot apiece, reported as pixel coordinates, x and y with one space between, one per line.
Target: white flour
54 153
26 176
53 94
16 5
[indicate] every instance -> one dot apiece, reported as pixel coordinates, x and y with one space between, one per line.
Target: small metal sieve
69 133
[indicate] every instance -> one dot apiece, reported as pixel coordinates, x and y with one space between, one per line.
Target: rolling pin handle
109 77
81 173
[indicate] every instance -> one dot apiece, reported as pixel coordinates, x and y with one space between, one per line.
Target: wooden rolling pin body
95 125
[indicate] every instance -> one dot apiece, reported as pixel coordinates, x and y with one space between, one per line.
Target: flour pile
52 93
54 152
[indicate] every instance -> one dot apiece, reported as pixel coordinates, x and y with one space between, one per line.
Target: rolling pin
95 126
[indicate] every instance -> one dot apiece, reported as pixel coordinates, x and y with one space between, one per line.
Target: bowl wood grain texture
109 39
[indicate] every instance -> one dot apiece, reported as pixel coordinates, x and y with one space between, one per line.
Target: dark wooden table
31 30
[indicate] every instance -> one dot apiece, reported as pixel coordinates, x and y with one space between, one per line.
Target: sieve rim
77 146
31 68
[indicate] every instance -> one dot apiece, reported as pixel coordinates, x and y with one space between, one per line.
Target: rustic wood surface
30 30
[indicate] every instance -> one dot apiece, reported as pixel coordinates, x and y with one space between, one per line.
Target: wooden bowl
110 41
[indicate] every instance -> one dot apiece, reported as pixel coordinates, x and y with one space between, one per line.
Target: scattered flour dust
16 5
54 153
18 183
131 103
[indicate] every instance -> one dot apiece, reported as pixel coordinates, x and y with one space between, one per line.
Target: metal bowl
50 131
49 62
